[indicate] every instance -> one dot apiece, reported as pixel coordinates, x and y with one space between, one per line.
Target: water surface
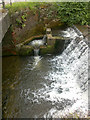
36 86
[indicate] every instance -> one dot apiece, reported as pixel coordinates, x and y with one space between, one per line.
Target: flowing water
49 86
36 45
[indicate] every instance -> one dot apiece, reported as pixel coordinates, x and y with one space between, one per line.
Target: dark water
24 74
35 87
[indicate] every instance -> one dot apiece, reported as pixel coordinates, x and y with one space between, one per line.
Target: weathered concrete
54 44
85 31
4 24
26 50
52 39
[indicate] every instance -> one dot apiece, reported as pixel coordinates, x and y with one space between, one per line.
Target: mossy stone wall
25 50
57 48
49 49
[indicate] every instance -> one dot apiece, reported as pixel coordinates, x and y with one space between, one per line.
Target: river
47 86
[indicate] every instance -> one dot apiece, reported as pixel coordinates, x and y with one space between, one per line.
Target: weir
73 68
49 86
47 44
52 39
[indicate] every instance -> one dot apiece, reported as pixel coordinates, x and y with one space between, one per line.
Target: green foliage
20 6
73 12
26 51
21 21
24 17
68 12
18 21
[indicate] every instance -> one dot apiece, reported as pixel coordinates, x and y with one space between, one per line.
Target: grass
20 6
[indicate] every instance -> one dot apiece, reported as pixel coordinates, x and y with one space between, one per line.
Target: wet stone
60 90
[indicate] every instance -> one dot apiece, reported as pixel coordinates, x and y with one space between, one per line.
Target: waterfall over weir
68 89
70 76
49 86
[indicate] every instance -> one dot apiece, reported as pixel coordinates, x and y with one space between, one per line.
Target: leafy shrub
21 21
68 12
73 12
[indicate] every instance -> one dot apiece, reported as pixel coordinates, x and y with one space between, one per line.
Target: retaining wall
4 24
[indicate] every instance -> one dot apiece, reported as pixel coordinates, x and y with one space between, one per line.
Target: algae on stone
49 49
26 50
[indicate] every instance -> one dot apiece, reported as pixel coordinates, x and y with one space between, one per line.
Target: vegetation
29 19
21 21
25 50
73 12
49 49
59 46
20 6
68 12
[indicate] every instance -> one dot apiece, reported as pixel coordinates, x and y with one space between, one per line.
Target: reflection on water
35 87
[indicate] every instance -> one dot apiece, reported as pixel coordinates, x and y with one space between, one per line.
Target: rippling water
49 86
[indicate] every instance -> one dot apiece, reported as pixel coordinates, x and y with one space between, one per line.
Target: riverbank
29 23
31 19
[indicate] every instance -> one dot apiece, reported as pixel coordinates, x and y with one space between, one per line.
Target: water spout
37 43
36 52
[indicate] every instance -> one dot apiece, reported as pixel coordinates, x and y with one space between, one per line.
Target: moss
9 52
26 50
58 46
34 31
46 50
55 24
53 49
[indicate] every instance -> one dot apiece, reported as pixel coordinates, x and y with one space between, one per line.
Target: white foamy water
68 88
71 75
37 42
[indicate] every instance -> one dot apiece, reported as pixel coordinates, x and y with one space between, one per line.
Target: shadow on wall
8 43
